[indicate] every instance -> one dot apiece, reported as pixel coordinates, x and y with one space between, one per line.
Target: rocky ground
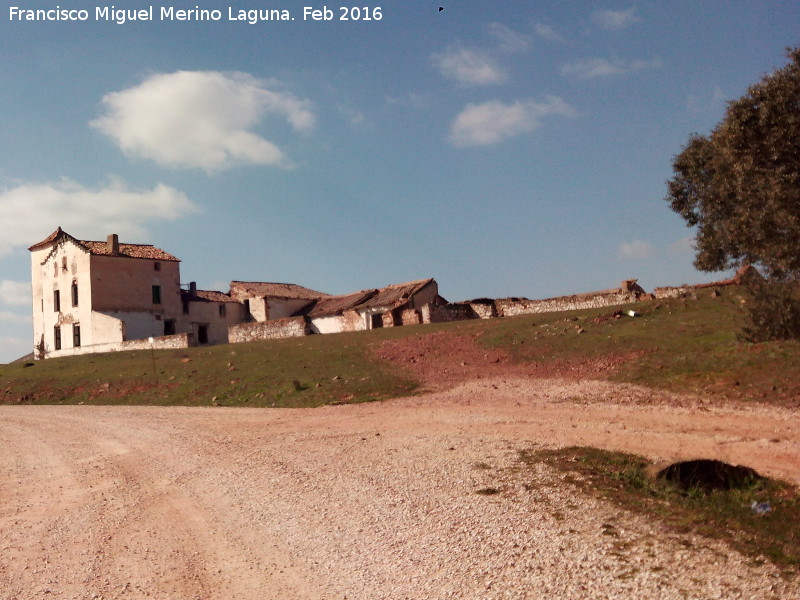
372 501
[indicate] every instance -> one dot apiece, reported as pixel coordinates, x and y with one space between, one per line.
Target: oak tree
740 185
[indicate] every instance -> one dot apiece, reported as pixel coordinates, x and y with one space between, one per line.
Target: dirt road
366 502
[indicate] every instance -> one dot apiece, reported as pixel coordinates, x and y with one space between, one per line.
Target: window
156 266
76 335
222 310
202 334
169 326
156 294
74 293
186 308
63 263
57 337
56 301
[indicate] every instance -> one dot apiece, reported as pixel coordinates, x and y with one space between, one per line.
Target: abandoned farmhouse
91 296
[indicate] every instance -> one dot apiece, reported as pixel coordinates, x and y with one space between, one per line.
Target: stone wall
165 342
454 311
745 276
509 307
682 291
268 330
410 316
484 308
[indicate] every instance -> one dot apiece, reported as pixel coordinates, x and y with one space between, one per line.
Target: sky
505 148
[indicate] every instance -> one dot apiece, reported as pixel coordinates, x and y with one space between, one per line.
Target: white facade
94 296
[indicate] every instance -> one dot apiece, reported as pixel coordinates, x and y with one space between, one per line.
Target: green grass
725 515
680 345
299 372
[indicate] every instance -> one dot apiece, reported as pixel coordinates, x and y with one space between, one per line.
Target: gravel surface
374 501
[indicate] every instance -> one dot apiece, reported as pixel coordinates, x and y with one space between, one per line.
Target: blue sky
505 148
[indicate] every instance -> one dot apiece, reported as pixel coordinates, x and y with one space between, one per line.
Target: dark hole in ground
708 475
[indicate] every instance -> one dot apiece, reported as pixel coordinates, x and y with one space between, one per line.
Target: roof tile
247 289
101 248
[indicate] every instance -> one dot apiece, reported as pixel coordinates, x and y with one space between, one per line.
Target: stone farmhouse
91 296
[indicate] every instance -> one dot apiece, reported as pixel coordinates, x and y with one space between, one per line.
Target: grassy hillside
681 345
678 344
307 371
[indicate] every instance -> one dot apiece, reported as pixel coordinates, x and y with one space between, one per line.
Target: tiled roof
389 297
101 248
334 305
50 239
248 289
129 250
206 296
396 294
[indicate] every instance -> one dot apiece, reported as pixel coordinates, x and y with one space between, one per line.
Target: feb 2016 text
121 16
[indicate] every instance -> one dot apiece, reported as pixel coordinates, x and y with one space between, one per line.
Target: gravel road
374 501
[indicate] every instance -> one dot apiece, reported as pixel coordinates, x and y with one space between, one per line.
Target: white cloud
682 246
615 20
471 67
635 249
590 68
510 40
32 211
547 33
15 293
200 119
494 121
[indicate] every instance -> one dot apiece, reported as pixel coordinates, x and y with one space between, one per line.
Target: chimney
112 245
192 289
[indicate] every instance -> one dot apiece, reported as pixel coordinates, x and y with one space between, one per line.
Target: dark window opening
377 320
57 337
76 335
156 294
169 327
63 263
156 266
247 313
202 334
186 308
56 301
74 293
222 310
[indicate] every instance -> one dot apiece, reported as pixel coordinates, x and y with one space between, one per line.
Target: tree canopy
740 185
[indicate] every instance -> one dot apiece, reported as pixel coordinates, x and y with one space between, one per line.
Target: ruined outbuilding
95 296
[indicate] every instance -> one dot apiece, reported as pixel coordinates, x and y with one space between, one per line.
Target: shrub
773 312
